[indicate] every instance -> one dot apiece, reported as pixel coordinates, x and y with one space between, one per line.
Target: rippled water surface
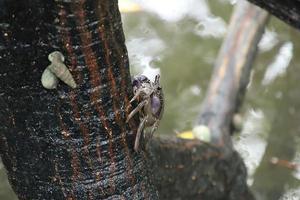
180 40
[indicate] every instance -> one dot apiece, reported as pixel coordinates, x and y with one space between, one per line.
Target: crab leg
138 134
137 109
156 81
136 95
154 128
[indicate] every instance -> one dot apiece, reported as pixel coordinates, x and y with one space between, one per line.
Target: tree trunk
286 10
68 143
190 169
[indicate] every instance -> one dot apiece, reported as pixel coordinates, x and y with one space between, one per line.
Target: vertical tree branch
68 143
190 169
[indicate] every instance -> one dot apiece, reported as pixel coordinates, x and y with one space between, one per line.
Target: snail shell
56 57
57 69
49 80
61 71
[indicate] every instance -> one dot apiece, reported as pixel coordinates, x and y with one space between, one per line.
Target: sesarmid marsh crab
150 104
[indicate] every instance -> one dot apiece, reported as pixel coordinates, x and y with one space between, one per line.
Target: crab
150 105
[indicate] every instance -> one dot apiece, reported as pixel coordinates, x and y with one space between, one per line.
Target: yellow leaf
186 135
127 6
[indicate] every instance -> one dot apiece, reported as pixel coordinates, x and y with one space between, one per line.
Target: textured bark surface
189 169
68 143
286 10
232 71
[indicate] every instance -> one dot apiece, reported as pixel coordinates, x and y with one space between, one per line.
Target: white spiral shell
57 70
49 80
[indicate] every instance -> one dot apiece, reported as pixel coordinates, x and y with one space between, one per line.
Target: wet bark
190 169
68 143
286 10
232 71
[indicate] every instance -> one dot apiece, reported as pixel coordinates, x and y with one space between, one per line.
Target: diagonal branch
232 71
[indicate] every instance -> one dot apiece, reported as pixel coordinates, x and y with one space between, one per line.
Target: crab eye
135 83
143 78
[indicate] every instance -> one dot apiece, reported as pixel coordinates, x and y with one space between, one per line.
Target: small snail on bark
57 70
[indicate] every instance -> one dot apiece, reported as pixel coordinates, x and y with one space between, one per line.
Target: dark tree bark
68 143
286 10
190 169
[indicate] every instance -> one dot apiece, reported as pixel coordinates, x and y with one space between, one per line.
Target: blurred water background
180 39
